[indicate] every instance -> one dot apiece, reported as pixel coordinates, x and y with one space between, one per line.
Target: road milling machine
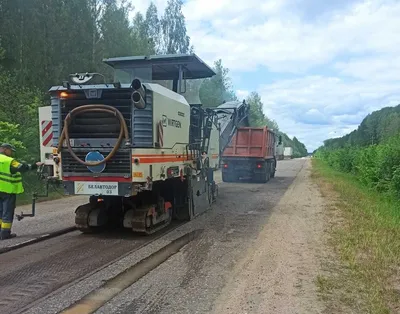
142 152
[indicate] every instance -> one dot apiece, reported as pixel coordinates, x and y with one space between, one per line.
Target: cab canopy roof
165 67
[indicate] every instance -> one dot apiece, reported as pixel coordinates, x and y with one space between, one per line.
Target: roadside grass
364 233
26 198
32 184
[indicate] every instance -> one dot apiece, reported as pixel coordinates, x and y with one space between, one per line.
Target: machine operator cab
180 73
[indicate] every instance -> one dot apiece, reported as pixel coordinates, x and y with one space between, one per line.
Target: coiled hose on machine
123 133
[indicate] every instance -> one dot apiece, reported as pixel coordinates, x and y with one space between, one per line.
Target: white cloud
384 68
340 59
242 94
280 40
325 104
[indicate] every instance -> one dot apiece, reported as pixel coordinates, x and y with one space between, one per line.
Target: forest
43 41
371 152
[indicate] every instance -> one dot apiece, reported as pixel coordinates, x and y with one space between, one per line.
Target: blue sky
319 66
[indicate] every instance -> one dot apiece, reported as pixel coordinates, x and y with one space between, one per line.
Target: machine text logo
171 122
175 123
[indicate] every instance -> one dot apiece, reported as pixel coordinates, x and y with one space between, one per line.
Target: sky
319 66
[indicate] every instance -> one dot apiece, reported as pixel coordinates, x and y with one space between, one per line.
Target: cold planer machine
136 147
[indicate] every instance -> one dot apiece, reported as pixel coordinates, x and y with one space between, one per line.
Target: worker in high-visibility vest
10 186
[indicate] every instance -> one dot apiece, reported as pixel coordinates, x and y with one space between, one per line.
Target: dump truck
250 155
140 151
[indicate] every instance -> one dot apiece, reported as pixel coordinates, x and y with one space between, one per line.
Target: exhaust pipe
138 95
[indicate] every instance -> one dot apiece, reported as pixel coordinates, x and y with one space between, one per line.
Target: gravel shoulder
277 275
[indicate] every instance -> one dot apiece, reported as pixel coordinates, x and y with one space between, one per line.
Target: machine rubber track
141 222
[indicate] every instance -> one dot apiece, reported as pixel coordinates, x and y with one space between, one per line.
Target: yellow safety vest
9 183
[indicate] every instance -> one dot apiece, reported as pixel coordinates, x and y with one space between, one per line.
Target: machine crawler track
142 222
82 219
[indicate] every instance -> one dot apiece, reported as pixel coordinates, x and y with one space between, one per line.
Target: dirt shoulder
278 273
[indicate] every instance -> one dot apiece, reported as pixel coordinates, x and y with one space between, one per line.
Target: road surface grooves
35 271
94 300
39 238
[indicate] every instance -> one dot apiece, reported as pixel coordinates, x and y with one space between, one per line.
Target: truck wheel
264 177
268 176
272 169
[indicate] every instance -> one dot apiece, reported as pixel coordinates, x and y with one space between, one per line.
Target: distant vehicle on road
288 152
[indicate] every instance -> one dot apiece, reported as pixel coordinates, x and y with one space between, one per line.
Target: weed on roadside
364 234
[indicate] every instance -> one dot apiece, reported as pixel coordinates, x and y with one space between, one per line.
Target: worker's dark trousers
7 209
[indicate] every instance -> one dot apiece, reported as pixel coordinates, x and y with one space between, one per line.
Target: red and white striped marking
160 134
47 133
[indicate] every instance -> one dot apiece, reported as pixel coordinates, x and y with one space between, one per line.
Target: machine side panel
173 111
150 163
170 127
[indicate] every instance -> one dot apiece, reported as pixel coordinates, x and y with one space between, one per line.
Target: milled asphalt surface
50 216
34 271
191 280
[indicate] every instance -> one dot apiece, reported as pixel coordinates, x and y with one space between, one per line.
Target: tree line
375 128
371 152
43 41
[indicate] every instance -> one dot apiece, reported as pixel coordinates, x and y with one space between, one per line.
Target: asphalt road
191 281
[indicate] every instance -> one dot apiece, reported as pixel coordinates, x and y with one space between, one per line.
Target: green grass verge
366 238
32 184
26 198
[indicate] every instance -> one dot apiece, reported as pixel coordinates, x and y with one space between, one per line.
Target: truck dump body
251 154
252 142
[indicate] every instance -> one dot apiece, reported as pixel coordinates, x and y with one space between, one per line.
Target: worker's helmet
7 146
